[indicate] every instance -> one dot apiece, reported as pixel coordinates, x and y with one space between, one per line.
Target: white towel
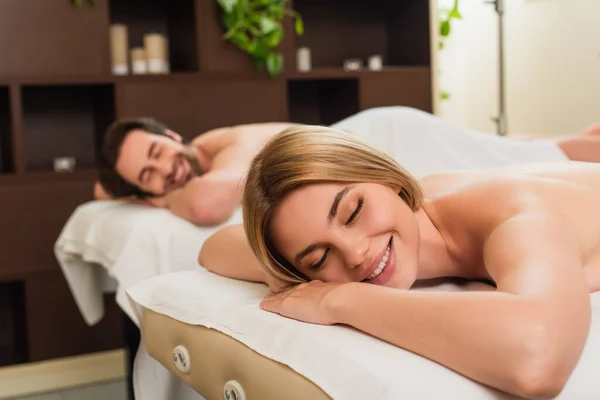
425 144
344 362
128 243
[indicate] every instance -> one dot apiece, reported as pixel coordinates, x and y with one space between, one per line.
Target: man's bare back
484 199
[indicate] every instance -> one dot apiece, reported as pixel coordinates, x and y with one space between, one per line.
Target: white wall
552 55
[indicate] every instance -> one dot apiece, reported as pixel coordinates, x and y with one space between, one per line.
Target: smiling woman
341 231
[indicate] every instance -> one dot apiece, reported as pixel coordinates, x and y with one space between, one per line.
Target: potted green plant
256 27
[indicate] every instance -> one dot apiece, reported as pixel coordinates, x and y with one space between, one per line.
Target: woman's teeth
381 265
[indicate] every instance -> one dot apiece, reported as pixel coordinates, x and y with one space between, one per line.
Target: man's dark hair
116 133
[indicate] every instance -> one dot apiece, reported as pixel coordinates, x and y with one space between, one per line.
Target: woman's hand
306 302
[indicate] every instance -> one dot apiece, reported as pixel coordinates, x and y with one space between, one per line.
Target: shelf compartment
6 165
65 121
13 346
337 30
322 101
174 19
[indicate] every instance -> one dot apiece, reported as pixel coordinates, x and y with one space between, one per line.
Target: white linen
127 242
425 144
344 362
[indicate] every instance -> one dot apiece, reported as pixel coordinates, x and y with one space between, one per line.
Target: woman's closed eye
320 263
357 210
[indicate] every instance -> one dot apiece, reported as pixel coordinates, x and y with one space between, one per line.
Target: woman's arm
525 338
228 253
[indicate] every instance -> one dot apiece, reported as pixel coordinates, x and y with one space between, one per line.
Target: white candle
375 63
303 62
155 45
118 49
138 61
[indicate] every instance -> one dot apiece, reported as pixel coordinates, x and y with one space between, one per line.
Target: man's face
154 163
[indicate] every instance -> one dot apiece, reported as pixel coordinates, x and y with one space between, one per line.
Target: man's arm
100 193
206 200
232 149
212 198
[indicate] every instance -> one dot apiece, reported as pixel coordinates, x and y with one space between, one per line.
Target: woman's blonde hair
303 155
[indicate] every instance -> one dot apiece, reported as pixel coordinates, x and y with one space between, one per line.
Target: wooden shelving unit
57 96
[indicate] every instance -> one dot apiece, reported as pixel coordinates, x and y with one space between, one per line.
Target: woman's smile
383 267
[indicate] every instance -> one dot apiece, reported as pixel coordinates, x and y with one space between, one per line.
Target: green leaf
274 38
441 45
444 95
242 40
299 25
260 63
268 25
455 14
274 64
254 18
77 2
445 28
228 5
261 50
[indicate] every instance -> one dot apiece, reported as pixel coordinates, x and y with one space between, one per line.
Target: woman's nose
356 251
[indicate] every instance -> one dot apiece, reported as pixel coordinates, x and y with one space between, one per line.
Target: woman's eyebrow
336 202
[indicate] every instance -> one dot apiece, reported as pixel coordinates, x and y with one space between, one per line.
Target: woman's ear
175 136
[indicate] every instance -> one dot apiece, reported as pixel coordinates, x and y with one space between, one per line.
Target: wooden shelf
62 80
5 131
85 175
339 73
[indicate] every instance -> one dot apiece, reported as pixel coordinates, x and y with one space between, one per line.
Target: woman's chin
403 279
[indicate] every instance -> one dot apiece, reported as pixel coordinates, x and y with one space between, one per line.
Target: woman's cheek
380 218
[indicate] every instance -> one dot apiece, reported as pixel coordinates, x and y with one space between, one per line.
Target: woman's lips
389 267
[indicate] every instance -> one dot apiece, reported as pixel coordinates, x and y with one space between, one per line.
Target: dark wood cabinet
58 95
53 38
191 106
409 86
5 131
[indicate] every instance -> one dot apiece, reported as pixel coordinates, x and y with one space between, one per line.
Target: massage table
210 332
110 246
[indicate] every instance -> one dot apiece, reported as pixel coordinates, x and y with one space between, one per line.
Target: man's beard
189 155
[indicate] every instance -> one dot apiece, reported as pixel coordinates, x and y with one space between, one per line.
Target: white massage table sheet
344 362
125 242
